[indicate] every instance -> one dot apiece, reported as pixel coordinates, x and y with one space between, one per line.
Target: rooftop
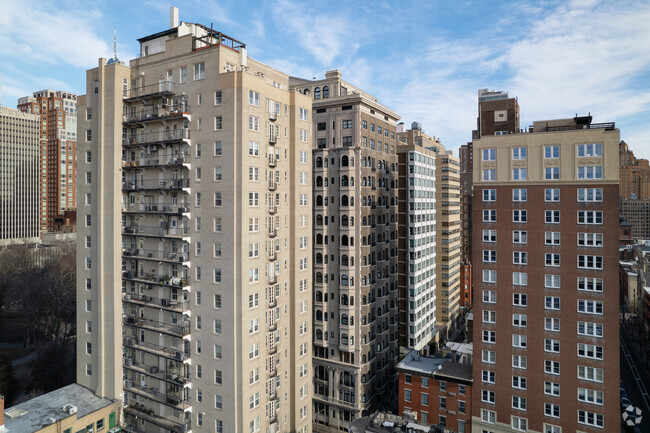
428 366
46 409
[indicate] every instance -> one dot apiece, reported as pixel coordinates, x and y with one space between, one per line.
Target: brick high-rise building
546 266
194 238
355 202
57 111
19 159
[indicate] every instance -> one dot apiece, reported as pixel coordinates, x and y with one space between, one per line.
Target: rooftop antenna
114 43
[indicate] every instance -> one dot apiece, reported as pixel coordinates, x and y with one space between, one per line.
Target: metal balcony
140 412
272 185
273 254
158 303
273 279
156 184
157 137
155 279
153 231
272 115
158 90
181 330
273 208
155 160
155 349
158 208
171 375
157 114
273 232
272 161
166 256
273 138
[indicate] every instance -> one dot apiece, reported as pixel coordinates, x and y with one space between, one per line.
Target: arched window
344 279
319 334
364 302
351 221
319 200
344 339
319 315
307 92
351 180
326 92
363 181
344 200
351 161
319 239
363 162
351 300
364 241
344 240
344 220
363 320
351 201
319 220
325 201
319 162
317 93
344 299
351 320
351 260
344 260
319 181
319 258
364 361
344 180
344 161
351 241
364 201
319 296
319 277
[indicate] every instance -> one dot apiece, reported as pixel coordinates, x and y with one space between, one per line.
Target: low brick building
436 391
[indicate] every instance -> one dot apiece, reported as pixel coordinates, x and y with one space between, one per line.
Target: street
634 378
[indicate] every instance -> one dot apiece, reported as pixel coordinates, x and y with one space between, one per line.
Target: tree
8 381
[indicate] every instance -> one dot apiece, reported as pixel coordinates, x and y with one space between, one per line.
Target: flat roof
33 414
423 365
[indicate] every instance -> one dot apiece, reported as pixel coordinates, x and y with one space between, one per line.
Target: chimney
173 17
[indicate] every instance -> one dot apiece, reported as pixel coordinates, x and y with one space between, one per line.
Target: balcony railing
162 88
151 114
273 254
154 394
166 351
172 375
139 411
157 160
155 184
141 253
170 328
165 207
162 280
273 279
167 136
152 301
155 231
272 161
273 232
272 185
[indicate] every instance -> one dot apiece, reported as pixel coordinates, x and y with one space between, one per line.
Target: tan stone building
194 255
356 311
57 111
448 228
545 264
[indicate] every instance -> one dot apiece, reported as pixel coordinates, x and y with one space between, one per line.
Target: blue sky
424 59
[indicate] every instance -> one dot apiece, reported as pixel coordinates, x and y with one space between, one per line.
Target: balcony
273 254
174 232
273 116
172 375
160 280
273 138
154 349
157 114
178 330
272 161
158 90
139 411
156 160
156 184
157 255
157 137
151 301
273 279
158 208
273 232
273 349
156 395
272 185
273 325
272 208
272 302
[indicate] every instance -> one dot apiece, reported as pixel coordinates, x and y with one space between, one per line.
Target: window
591 374
519 194
552 238
407 378
519 320
590 329
551 152
519 174
489 235
218 97
552 388
346 124
489 174
253 250
551 345
253 199
489 356
407 395
590 262
590 307
590 149
590 217
552 173
590 194
183 75
552 216
519 340
518 402
303 114
489 215
590 172
253 351
489 316
519 153
254 123
461 389
254 400
461 406
218 402
489 154
488 376
519 361
199 71
519 257
424 398
552 302
217 275
551 324
552 281
217 199
590 351
552 194
489 337
489 195
489 276
89 177
552 259
519 299
590 418
552 410
218 123
253 98
519 382
487 396
590 239
519 216
519 237
217 351
489 296
489 256
217 148
591 396
488 416
519 279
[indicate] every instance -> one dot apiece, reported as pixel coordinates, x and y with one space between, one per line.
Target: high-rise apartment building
448 227
545 260
634 192
19 158
417 245
57 112
194 289
355 200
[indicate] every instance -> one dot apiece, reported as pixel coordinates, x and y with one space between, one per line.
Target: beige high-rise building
546 245
194 255
356 300
19 158
448 227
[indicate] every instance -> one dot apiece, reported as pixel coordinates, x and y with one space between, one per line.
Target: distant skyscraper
194 238
19 162
546 264
57 111
634 192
